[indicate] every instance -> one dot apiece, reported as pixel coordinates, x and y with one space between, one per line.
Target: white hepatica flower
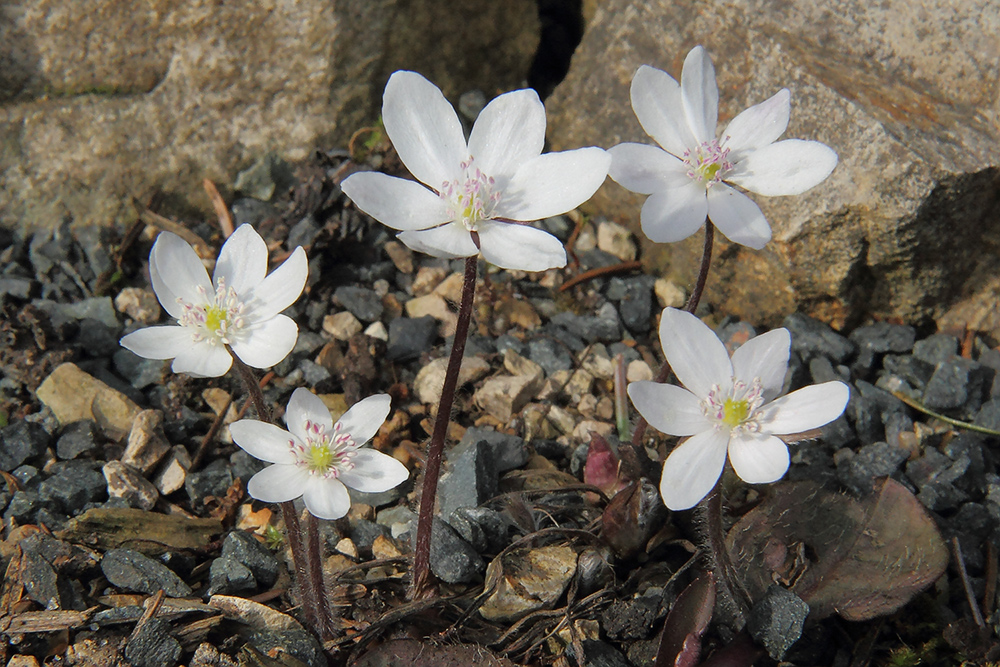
239 307
476 188
316 458
727 406
688 178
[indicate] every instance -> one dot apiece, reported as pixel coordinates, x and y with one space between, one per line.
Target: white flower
317 459
479 187
727 405
238 308
687 180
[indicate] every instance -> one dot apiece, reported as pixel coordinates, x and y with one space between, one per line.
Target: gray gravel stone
73 487
550 355
776 620
871 461
247 550
139 372
936 349
228 576
77 438
472 477
20 442
410 336
989 415
132 571
509 451
212 480
634 297
812 338
364 303
958 384
153 645
297 643
598 654
453 560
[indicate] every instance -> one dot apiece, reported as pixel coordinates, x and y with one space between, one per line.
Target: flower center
471 197
734 410
219 319
708 163
325 453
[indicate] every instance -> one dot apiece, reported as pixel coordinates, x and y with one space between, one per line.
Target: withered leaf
680 643
858 558
413 653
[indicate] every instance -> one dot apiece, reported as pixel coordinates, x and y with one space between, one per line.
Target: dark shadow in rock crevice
562 29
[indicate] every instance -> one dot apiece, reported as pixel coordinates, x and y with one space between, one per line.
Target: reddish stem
422 582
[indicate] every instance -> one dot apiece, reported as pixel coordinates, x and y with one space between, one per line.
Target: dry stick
970 597
310 596
421 583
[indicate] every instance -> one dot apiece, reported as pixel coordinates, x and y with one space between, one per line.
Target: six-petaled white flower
239 308
690 177
727 406
481 190
317 458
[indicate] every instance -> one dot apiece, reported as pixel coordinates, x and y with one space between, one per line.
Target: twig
221 210
990 590
947 420
970 597
600 271
168 225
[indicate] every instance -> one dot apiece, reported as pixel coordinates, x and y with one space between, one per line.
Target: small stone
635 301
515 364
936 348
616 240
315 376
384 547
132 571
297 643
342 326
453 560
811 338
871 461
451 288
776 620
303 233
408 337
433 305
127 483
363 302
401 256
504 396
227 576
245 466
669 294
470 479
140 304
631 618
427 278
958 383
247 550
527 580
509 452
173 471
152 645
377 330
550 355
21 441
140 373
598 363
73 486
74 395
23 506
429 382
584 428
213 480
638 371
989 415
17 288
346 546
579 385
147 444
598 654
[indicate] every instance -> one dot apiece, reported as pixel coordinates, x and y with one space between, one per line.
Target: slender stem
729 585
316 576
421 583
306 591
253 388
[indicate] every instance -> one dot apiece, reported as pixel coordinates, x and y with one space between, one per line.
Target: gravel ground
139 489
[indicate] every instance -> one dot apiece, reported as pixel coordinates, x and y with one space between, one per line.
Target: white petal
693 468
512 246
263 441
450 241
509 132
668 409
805 409
656 100
177 273
242 262
278 483
365 418
158 342
673 215
764 357
787 167
396 202
759 459
696 355
424 128
758 126
306 406
700 94
738 217
553 183
646 169
203 360
266 343
374 472
326 498
281 288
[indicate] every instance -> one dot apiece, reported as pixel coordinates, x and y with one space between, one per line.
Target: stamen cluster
217 320
324 454
471 198
735 410
708 164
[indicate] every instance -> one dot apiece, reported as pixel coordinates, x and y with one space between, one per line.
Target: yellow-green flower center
708 163
735 412
708 171
218 319
471 197
319 458
215 317
324 453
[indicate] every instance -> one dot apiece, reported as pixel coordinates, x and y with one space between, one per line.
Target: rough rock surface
103 101
906 94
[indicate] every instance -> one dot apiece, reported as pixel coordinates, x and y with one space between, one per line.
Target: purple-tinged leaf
632 517
680 643
601 468
741 652
858 558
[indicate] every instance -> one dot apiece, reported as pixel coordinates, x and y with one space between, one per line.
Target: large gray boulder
907 226
104 100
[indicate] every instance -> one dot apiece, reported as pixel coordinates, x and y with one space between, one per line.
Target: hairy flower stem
310 594
421 585
692 304
317 583
732 595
